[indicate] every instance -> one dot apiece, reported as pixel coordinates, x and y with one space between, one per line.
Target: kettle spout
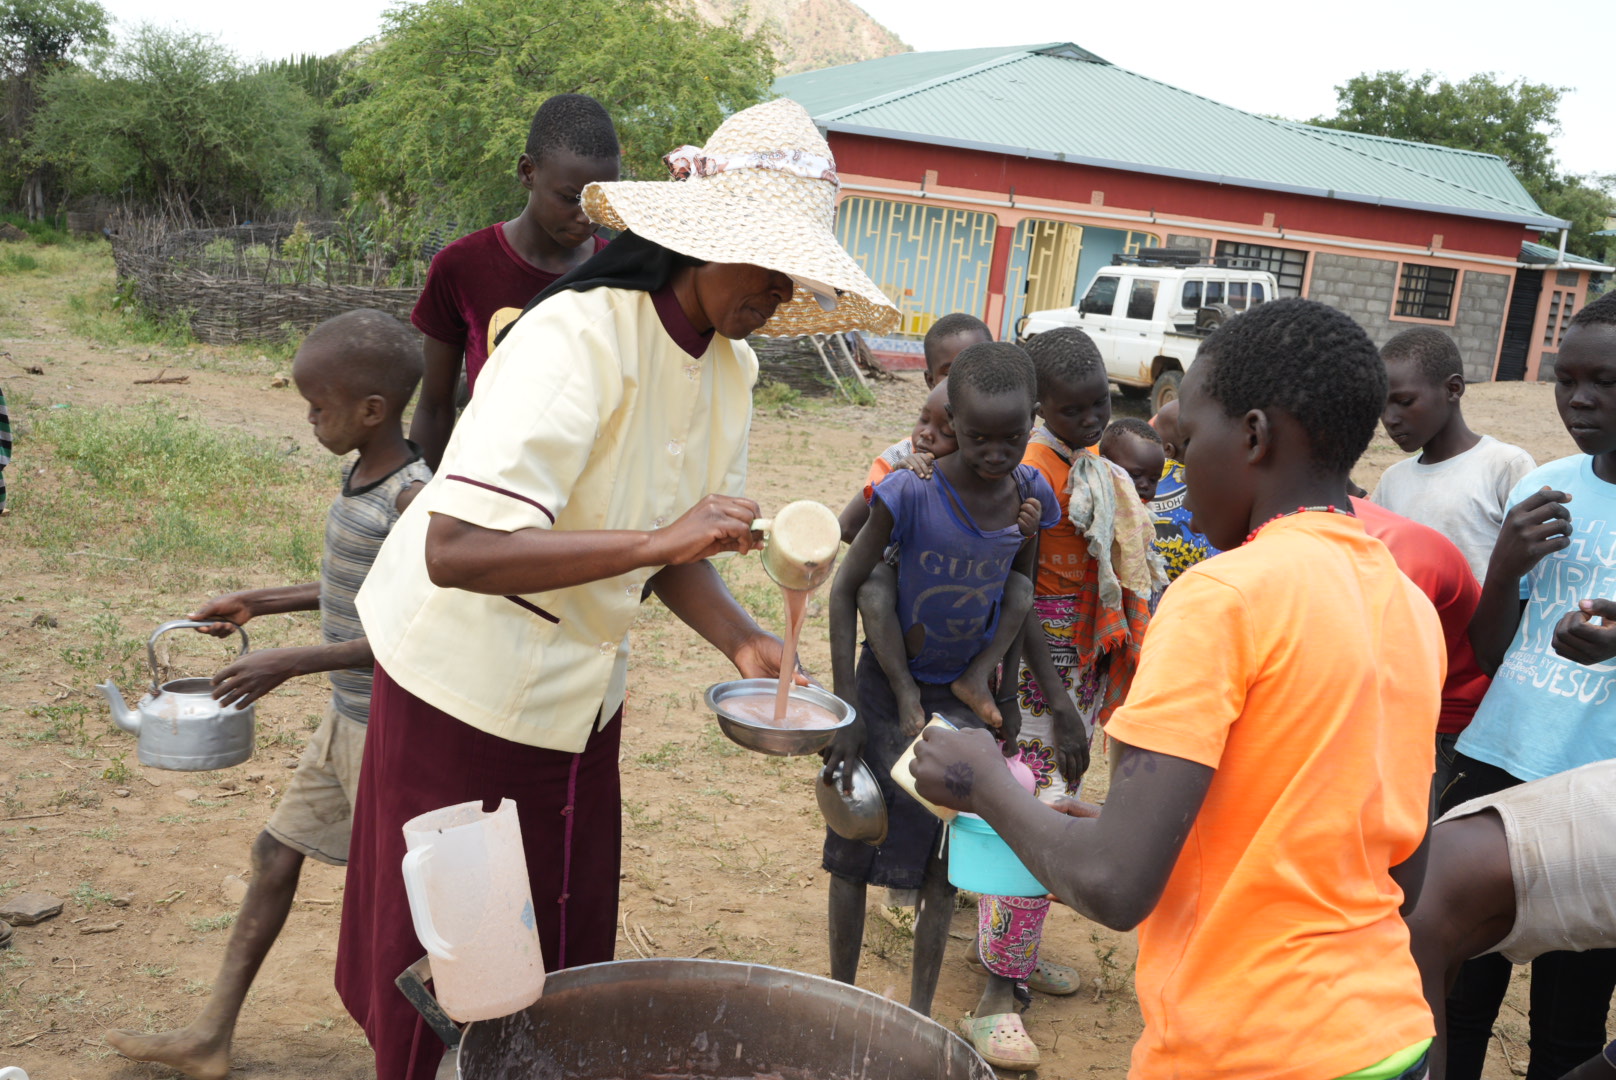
121 715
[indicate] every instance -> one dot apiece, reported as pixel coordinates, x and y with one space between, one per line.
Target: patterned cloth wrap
1009 929
1105 507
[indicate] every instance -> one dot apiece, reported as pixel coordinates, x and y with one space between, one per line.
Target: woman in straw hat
603 458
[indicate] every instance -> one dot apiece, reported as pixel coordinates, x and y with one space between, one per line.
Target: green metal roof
1542 254
1063 103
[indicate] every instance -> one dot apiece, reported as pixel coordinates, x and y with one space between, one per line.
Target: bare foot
977 695
911 713
188 1051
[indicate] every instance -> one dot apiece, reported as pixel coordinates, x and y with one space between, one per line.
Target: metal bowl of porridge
745 712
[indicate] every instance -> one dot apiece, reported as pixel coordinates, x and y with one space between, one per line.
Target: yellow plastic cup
906 779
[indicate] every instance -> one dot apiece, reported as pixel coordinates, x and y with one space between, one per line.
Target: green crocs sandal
1002 1040
1056 980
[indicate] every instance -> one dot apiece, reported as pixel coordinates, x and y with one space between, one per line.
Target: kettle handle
415 890
181 624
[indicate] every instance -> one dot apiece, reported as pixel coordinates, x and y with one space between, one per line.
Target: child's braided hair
1306 359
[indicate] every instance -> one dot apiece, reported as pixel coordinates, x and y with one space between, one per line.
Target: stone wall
1366 288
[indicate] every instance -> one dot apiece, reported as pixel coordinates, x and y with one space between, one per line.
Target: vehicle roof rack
1183 257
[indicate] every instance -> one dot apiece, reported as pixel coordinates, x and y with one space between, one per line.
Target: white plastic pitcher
473 909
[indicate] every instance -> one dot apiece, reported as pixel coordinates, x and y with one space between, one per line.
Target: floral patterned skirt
1082 685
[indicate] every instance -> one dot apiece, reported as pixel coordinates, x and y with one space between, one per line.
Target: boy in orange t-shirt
1267 815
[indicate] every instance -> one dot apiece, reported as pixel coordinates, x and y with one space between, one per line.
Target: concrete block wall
1363 288
1483 300
1366 288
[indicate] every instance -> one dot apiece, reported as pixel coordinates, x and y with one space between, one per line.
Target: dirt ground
721 854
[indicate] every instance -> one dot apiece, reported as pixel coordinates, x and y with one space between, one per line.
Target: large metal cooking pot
711 1018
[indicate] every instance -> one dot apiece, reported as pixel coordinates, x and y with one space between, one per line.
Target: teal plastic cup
981 861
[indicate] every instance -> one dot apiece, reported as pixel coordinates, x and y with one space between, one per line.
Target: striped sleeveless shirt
358 522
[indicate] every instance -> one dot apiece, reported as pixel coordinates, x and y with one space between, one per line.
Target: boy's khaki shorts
316 813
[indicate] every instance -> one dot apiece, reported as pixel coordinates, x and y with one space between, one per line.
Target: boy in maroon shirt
571 144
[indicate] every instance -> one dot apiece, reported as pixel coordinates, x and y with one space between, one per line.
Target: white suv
1149 312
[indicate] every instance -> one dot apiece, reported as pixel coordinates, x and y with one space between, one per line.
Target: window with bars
1288 266
1426 292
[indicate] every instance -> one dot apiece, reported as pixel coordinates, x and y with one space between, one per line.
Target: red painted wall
1033 179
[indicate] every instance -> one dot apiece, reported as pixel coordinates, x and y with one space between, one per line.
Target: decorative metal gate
930 260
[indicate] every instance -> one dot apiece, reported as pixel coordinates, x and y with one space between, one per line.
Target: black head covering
629 262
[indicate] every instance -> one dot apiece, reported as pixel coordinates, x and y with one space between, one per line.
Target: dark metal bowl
767 739
711 1018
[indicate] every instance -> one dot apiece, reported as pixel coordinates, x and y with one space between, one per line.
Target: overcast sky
1264 57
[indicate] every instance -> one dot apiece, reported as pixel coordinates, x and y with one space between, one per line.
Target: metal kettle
178 724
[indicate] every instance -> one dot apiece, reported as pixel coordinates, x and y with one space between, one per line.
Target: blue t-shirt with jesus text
1544 714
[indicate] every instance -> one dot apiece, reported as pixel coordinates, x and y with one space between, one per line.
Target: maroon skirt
419 758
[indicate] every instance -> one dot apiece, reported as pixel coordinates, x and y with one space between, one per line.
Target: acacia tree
438 109
172 119
37 37
1514 120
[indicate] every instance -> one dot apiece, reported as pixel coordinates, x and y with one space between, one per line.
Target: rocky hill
812 33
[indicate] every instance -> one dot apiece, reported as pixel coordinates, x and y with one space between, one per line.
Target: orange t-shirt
1307 670
1063 552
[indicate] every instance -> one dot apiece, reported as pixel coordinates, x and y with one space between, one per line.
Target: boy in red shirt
570 144
1267 813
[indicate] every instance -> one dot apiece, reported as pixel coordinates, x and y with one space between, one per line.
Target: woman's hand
761 656
1539 525
717 524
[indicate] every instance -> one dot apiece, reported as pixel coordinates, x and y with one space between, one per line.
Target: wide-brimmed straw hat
762 191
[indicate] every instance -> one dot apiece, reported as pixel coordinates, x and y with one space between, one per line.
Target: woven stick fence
237 284
246 283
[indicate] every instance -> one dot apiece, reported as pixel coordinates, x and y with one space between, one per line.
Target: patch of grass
775 397
58 723
13 261
206 924
118 772
713 741
198 986
664 756
110 315
88 895
104 832
156 971
139 486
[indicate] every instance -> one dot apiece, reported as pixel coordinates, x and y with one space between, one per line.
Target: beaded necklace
1252 535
